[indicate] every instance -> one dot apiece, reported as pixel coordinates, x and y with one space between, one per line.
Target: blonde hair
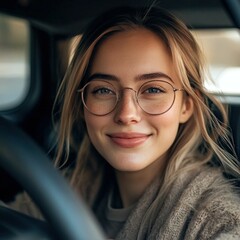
203 139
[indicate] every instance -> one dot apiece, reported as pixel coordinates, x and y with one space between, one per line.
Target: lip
128 140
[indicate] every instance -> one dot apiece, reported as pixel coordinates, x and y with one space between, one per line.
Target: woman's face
129 138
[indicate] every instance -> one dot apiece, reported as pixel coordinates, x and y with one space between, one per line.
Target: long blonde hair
203 139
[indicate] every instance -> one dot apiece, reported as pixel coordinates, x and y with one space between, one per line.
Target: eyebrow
149 76
141 77
103 76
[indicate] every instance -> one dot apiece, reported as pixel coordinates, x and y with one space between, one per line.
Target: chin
127 166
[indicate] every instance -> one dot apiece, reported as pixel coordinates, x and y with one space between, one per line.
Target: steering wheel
66 214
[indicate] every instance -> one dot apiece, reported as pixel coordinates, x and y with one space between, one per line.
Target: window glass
222 51
14 69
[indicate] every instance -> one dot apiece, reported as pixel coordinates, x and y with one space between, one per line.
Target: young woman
154 157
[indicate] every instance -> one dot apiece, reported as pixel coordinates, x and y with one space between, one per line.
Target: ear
187 109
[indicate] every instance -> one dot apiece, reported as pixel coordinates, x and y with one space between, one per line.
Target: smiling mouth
128 140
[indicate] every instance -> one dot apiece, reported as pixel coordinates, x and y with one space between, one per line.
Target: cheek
91 123
167 125
95 125
169 119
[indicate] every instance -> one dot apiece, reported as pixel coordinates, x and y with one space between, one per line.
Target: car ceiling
71 16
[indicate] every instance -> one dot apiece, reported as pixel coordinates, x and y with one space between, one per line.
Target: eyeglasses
154 97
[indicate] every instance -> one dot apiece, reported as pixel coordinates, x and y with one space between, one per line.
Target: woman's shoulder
216 207
206 186
215 187
215 193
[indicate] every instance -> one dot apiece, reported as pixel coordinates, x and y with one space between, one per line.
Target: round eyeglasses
154 97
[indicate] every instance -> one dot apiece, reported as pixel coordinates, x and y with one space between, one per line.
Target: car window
14 61
222 50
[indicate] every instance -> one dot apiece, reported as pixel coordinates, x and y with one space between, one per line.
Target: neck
132 185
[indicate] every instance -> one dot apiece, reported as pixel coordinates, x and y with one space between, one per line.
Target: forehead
133 52
134 39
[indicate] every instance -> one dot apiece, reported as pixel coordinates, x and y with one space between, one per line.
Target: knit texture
199 207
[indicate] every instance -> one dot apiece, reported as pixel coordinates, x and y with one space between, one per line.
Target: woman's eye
154 90
103 91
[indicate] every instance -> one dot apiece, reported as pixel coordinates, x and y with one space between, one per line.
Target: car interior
36 42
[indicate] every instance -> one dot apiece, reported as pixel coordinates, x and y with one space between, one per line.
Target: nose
128 110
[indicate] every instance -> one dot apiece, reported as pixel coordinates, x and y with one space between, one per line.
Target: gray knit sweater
200 206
